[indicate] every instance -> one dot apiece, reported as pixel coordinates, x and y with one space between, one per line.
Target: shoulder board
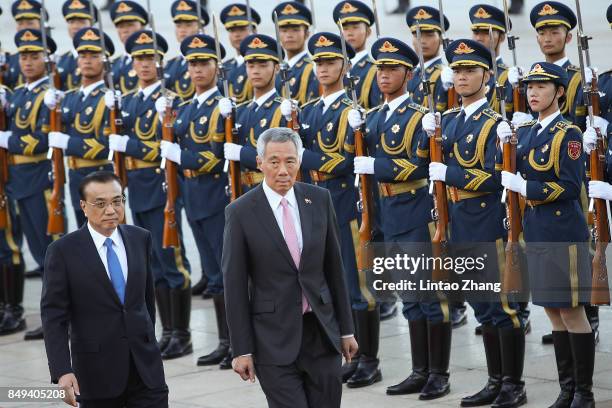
73 90
19 86
492 114
565 126
185 103
307 59
502 66
573 68
528 123
171 94
374 109
244 103
347 101
310 102
132 92
418 107
218 97
278 99
453 110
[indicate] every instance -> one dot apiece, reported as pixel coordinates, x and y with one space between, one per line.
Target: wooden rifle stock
453 101
235 184
118 157
294 125
56 223
4 177
512 281
440 212
600 291
365 253
519 102
171 237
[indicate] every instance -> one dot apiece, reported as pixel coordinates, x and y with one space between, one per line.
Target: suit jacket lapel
306 217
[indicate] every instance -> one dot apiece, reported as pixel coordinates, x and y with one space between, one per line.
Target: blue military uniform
85 119
175 72
551 14
363 67
232 16
253 117
123 72
303 84
476 216
482 17
428 18
67 67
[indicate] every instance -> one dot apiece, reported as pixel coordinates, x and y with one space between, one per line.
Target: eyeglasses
117 203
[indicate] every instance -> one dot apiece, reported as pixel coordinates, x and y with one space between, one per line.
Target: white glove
514 75
226 105
170 151
231 151
429 122
601 124
3 98
600 189
589 139
109 98
286 108
52 98
160 106
447 77
437 171
504 131
118 143
355 119
588 74
514 182
58 140
4 138
520 117
364 164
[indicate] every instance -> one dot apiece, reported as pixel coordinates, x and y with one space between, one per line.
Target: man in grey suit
287 304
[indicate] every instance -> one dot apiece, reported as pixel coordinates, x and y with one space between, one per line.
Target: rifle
437 188
376 23
284 73
600 291
234 187
55 222
512 278
4 176
519 99
365 182
452 101
250 16
199 12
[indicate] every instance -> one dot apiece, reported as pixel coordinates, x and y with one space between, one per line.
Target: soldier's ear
568 37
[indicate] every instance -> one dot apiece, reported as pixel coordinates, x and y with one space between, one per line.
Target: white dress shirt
263 98
358 56
118 247
473 107
393 105
34 84
86 90
561 61
274 199
329 99
146 92
547 120
296 58
201 98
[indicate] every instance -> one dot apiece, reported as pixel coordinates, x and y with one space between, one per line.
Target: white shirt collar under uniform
294 60
547 120
395 103
201 98
561 61
34 84
473 107
358 56
86 90
146 92
329 99
263 98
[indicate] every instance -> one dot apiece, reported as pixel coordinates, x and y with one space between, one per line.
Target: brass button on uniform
483 204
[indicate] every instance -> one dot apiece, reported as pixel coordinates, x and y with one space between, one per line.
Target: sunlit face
280 166
203 73
356 34
261 73
183 29
75 24
91 64
552 40
145 68
237 34
430 43
541 95
107 218
392 78
482 36
29 23
330 70
32 65
469 80
127 28
293 37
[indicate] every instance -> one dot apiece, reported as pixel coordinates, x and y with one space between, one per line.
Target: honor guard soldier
128 17
294 21
29 183
356 19
476 214
185 17
199 129
325 129
253 117
428 18
27 14
482 17
235 20
77 14
398 161
84 116
550 173
147 197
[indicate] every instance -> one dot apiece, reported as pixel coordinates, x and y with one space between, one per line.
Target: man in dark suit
98 293
287 303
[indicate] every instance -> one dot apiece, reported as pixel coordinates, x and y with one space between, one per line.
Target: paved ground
24 364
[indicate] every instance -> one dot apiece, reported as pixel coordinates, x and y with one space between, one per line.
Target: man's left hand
349 348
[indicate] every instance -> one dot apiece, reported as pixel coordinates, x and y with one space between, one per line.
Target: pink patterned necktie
292 243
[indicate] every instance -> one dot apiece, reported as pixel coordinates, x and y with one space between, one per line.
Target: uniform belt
137 164
251 178
23 159
193 173
534 203
393 189
75 163
455 194
319 176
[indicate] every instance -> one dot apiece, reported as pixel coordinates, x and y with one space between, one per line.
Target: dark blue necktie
114 270
460 119
534 134
382 118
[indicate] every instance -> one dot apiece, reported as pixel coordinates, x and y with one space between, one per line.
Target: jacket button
450 154
558 213
483 204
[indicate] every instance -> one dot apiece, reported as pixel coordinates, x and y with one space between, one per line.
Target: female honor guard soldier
140 143
128 17
252 118
77 15
84 116
399 163
294 21
235 20
29 184
199 129
356 19
476 214
550 166
185 17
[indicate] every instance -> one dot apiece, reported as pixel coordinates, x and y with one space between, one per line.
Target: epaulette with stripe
573 68
184 103
244 103
347 101
73 90
418 107
452 110
565 126
528 123
374 109
310 102
19 86
278 99
492 114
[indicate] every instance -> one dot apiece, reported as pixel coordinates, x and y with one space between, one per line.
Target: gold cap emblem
24 5
463 48
144 38
76 5
289 9
183 6
235 11
422 15
28 36
348 8
481 13
257 43
90 36
323 42
123 8
196 43
388 47
548 10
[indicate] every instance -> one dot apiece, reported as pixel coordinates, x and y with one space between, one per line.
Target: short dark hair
102 176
